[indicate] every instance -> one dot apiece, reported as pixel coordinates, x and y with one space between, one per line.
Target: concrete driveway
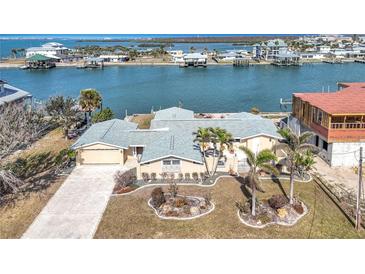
76 209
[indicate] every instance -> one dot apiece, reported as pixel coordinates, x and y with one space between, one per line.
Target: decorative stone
194 210
166 208
282 213
203 204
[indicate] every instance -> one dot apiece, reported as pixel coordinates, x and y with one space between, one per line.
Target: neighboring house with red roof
336 118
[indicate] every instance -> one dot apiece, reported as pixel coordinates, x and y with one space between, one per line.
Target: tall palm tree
203 137
260 161
224 139
295 146
90 99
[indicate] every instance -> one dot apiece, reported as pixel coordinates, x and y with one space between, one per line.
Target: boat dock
241 62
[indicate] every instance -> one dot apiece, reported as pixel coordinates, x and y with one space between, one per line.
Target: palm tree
260 161
224 139
90 99
295 146
203 137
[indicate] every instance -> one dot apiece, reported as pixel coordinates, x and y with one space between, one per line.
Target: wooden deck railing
347 125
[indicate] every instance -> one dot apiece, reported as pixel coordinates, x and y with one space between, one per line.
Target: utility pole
358 209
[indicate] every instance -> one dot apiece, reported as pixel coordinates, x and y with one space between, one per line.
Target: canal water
138 89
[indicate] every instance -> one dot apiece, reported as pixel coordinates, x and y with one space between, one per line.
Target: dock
333 61
241 62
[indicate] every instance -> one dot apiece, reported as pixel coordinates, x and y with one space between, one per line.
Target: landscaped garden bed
126 181
275 210
179 207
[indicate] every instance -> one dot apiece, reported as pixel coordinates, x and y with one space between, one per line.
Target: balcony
357 125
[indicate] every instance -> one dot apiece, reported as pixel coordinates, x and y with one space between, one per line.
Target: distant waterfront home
336 118
114 58
177 56
311 55
286 59
11 94
268 50
195 59
51 50
168 146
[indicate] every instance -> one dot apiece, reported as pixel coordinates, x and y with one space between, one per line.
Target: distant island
221 39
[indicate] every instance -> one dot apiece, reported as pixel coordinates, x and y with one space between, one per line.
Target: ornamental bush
157 197
278 201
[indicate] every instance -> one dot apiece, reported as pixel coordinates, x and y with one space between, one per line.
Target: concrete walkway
76 209
344 176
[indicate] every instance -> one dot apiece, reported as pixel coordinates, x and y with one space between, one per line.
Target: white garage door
101 156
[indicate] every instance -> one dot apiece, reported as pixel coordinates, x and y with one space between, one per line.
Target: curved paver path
76 209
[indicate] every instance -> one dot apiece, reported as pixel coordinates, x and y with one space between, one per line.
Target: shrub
208 198
278 201
103 115
171 176
195 176
243 207
180 202
264 218
145 177
187 176
181 176
124 178
202 176
298 208
173 188
157 197
153 176
255 110
164 175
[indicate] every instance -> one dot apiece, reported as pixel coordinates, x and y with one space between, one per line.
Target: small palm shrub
157 197
195 176
187 176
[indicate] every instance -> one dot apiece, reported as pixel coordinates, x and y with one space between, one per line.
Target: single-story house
168 146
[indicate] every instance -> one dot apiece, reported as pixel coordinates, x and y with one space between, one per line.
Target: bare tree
64 111
18 128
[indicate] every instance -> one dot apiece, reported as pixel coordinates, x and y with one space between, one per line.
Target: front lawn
130 216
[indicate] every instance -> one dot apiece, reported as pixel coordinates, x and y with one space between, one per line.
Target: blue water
212 89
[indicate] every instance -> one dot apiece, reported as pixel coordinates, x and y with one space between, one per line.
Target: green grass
130 216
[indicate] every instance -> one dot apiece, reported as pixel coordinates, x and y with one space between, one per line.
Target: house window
166 162
175 162
171 165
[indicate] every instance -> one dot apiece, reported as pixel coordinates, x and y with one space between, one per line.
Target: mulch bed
286 215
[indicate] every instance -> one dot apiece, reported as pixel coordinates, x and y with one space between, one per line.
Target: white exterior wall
345 154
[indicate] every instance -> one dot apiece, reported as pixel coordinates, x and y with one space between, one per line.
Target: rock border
275 223
181 218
